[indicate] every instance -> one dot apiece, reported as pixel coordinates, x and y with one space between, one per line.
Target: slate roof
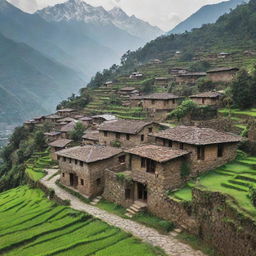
66 110
160 96
90 153
85 118
61 143
128 89
223 69
107 117
68 127
54 116
51 133
193 74
206 95
66 119
91 135
157 153
124 126
197 136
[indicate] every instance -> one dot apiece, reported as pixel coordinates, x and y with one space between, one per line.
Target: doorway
142 192
73 179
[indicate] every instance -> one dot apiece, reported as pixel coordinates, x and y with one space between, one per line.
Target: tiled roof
193 74
124 126
223 69
85 118
66 110
160 96
54 116
107 117
90 154
68 127
206 95
51 133
66 119
61 143
157 153
128 89
92 135
197 136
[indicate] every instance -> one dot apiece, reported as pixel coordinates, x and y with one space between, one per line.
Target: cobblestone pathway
168 243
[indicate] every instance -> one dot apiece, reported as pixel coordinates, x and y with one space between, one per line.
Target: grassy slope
233 179
32 225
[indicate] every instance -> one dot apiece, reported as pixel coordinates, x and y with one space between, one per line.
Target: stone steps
136 208
96 200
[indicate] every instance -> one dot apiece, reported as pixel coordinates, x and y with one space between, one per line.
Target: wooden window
169 143
181 145
128 136
200 152
153 102
70 160
75 161
164 142
150 130
165 102
128 193
58 157
63 174
142 137
98 181
151 166
121 159
81 163
203 100
173 101
143 162
82 182
105 134
117 135
64 159
220 150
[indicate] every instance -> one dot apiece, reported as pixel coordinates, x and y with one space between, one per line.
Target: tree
78 131
205 85
242 90
148 85
39 140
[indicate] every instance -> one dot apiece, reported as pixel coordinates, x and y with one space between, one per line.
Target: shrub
184 169
252 195
116 144
77 133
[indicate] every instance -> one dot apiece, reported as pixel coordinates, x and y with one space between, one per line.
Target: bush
78 132
184 169
252 195
116 144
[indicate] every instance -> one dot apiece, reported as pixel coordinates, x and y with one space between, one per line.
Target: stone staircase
96 200
137 207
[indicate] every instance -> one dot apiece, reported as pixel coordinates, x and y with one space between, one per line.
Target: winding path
168 243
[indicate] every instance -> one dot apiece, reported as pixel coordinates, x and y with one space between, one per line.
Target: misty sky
163 13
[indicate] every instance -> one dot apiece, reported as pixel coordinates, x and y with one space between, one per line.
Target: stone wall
206 101
221 76
128 140
160 104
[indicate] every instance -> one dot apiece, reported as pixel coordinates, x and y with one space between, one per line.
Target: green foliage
187 56
124 178
241 155
183 110
184 169
113 100
116 144
200 66
77 134
19 134
252 195
39 140
148 86
205 85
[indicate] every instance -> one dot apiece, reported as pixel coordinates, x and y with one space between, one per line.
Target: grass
32 225
249 112
233 179
144 218
36 165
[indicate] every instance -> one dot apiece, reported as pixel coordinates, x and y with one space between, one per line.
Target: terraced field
233 179
37 163
31 225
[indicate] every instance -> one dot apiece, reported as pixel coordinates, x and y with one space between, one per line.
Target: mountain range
46 56
205 15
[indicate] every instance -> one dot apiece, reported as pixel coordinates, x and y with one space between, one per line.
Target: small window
152 102
203 101
165 103
75 161
200 153
143 162
121 159
81 163
142 137
82 182
98 181
181 145
105 134
58 157
128 193
117 135
63 174
151 166
64 159
170 144
220 150
70 160
150 130
164 142
173 101
128 136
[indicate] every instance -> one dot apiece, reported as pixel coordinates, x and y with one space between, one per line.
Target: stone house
91 137
224 74
189 77
176 71
136 75
162 82
86 120
99 119
155 61
67 128
108 84
30 124
128 91
209 148
66 112
58 145
127 133
82 168
52 136
151 171
207 98
53 118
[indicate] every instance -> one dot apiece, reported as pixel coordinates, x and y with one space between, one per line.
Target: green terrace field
237 112
37 163
233 179
31 225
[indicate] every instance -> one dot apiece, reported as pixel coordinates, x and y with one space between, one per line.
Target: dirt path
168 243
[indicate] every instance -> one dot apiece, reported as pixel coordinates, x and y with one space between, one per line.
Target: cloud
163 13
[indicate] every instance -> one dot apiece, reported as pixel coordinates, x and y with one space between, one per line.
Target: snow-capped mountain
78 10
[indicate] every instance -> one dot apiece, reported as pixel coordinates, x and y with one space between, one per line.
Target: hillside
30 83
205 15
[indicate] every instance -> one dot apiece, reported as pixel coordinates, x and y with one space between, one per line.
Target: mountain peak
118 12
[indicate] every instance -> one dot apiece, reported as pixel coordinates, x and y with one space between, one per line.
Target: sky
162 13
